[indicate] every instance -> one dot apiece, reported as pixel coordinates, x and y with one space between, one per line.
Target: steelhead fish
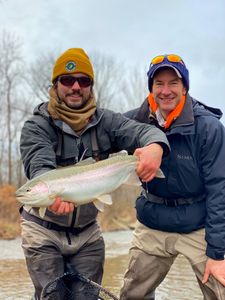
80 184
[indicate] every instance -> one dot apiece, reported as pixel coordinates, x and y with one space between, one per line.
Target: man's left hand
150 158
60 207
216 268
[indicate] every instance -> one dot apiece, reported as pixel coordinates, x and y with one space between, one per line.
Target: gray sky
131 31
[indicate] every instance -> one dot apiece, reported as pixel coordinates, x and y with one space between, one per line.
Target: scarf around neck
77 118
173 115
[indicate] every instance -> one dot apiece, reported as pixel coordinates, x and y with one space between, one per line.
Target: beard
76 99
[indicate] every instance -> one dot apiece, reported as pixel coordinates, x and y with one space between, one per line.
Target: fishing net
74 286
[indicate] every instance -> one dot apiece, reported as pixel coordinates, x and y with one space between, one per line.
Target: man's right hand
60 207
150 158
215 268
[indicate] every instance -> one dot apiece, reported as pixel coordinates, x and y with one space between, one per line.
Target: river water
15 284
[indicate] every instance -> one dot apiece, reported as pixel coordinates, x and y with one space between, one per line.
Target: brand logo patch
70 66
184 157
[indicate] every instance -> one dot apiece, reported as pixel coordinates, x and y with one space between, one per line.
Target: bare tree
108 80
135 88
12 78
40 76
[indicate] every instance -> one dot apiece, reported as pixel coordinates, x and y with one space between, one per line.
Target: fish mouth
19 195
22 197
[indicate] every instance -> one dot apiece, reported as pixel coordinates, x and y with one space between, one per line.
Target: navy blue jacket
194 169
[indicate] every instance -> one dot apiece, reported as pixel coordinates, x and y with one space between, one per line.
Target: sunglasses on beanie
170 57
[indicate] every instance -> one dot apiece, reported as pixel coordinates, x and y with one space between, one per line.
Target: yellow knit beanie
74 60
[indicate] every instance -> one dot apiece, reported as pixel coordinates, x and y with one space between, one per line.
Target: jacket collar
186 117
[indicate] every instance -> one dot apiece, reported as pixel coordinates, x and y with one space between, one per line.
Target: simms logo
184 157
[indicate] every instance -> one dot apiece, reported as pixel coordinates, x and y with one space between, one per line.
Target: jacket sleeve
129 134
131 114
37 147
213 169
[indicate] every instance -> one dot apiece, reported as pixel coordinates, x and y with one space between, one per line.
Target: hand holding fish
61 207
150 158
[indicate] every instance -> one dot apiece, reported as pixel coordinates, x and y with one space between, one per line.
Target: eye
29 189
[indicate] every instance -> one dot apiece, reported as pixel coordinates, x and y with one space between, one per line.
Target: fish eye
28 190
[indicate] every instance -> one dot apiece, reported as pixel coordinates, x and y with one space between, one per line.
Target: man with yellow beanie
61 132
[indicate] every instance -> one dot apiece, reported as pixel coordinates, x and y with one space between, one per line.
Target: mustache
76 93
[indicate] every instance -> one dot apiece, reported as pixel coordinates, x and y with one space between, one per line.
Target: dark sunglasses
69 81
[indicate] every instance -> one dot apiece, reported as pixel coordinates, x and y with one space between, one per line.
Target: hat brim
168 66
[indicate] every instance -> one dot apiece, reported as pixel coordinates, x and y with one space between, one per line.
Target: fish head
34 194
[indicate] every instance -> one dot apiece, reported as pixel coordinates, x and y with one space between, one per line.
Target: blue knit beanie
178 67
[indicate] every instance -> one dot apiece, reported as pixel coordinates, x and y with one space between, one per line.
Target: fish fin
106 198
101 200
87 161
53 195
160 174
42 211
120 153
99 205
133 180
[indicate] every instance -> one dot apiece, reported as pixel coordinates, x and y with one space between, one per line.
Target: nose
165 89
75 86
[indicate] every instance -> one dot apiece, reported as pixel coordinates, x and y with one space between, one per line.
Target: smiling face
75 96
167 90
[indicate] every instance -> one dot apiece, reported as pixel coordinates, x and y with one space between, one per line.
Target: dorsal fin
87 161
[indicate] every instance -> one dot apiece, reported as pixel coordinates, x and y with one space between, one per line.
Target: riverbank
118 216
15 283
9 215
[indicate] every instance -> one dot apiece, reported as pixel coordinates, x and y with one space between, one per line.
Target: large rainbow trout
81 184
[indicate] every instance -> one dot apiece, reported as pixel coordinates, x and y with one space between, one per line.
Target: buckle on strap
170 203
46 224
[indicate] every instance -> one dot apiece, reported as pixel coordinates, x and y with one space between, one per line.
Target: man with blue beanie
184 213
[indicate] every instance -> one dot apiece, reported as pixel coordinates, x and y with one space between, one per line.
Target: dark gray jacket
47 144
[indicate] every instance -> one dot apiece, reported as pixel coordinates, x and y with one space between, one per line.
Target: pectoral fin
101 200
99 205
53 195
42 211
107 199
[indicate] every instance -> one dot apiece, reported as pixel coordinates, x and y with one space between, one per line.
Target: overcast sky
131 31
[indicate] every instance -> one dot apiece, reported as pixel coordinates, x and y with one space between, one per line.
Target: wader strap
94 144
59 145
172 202
51 225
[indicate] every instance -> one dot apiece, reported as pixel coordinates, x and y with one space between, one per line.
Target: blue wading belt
51 225
172 201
